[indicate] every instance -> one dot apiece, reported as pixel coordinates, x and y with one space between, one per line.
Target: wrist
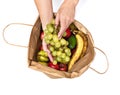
72 2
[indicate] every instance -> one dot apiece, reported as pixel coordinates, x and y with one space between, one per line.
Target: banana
78 52
85 43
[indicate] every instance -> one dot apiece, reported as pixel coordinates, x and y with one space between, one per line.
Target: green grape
45 37
52 43
45 54
54 62
67 43
55 38
64 34
59 53
47 41
49 36
59 59
67 51
67 59
63 41
55 32
42 58
50 28
63 55
46 31
51 48
42 53
61 49
54 53
57 44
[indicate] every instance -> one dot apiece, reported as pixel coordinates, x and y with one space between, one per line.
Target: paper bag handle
4 30
27 46
107 63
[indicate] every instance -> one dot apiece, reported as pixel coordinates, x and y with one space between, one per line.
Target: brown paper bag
78 68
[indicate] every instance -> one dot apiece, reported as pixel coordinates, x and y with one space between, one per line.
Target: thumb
61 32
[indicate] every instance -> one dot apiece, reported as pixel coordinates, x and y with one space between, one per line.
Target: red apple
63 67
50 64
41 48
68 33
41 35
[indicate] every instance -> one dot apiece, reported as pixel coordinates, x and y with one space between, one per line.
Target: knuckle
72 20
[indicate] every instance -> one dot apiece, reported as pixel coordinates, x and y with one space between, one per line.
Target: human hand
45 48
65 16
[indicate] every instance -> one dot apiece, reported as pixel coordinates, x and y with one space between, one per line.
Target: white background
102 19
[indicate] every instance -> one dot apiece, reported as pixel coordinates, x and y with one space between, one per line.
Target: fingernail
59 36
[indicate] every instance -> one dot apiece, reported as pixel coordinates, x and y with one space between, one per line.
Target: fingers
45 48
57 20
50 57
62 29
64 23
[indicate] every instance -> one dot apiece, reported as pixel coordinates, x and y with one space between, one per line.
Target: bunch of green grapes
58 47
